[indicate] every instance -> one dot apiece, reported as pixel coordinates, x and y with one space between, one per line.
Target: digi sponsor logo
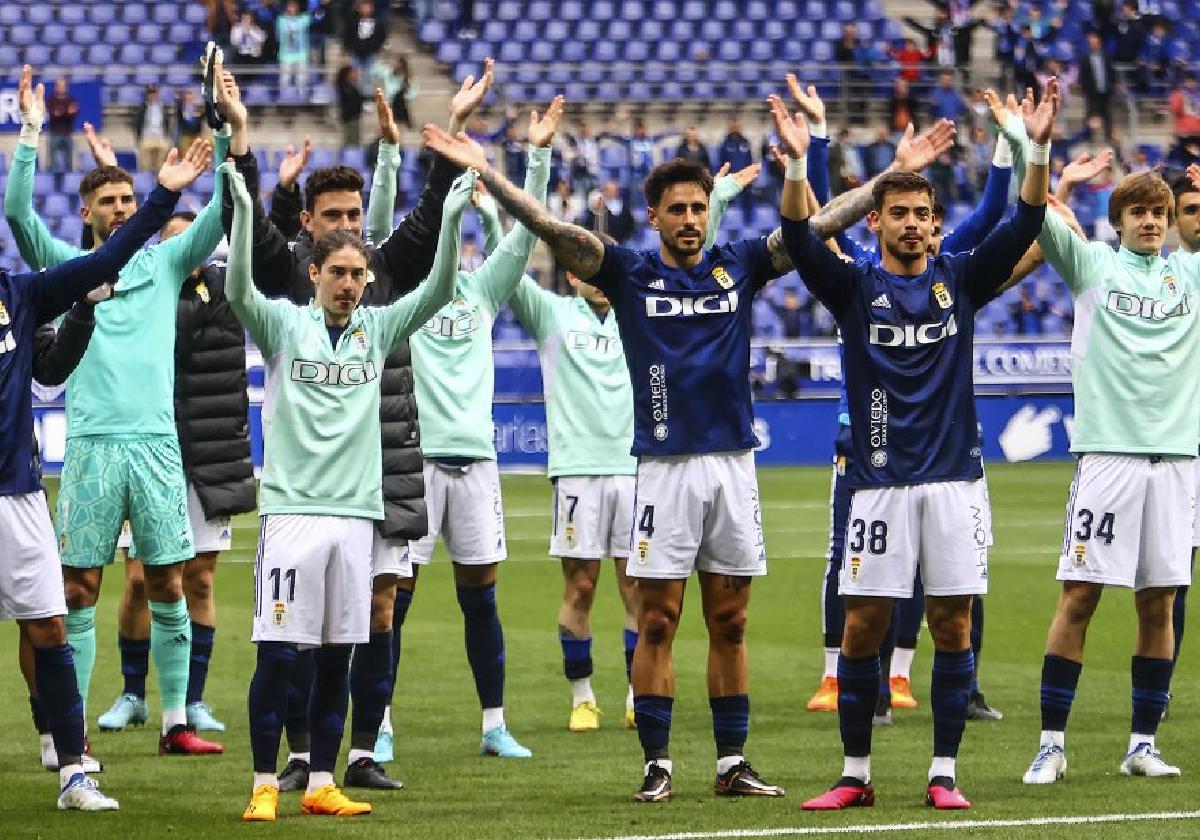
1146 308
913 335
670 306
459 325
320 373
602 345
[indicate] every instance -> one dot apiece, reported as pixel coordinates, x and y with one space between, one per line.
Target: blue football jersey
687 343
908 350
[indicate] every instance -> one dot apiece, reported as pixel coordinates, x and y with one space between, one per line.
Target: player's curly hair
102 176
899 182
1143 188
331 179
678 171
1182 186
336 241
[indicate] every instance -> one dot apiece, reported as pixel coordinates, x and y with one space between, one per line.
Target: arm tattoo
843 211
781 260
577 249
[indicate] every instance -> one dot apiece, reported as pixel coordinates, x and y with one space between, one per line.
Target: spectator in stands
61 111
1128 35
189 118
470 258
902 106
248 40
1027 57
326 24
851 53
774 171
640 145
1028 313
1005 44
978 158
584 157
423 10
1067 75
692 149
911 59
879 154
466 19
152 130
845 163
350 105
291 30
736 151
945 186
609 212
795 317
222 14
1156 62
265 12
398 86
939 41
363 37
1185 109
945 102
1098 80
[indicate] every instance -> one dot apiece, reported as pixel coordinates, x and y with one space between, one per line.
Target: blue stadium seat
495 31
117 33
37 55
85 33
510 53
540 10
668 51
725 10
571 10
602 10
449 52
434 32
23 35
844 10
831 30
43 184
165 13
10 14
10 56
180 33
762 50
587 31
72 13
54 34
509 11
115 75
39 14
774 30
56 205
256 93
664 9
143 183
822 51
478 51
730 51
148 33
757 10
620 30
633 10
573 51
745 30
694 10
161 54
103 13
195 14
636 51
70 228
133 54
604 51
69 55
556 30
133 13
543 51
682 30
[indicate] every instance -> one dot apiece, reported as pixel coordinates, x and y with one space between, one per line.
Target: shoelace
1044 755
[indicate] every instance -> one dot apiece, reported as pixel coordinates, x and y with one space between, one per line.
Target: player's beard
906 257
682 252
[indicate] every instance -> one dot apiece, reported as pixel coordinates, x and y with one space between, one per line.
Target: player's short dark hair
939 210
102 176
331 179
336 241
899 182
1143 188
180 215
1182 186
678 171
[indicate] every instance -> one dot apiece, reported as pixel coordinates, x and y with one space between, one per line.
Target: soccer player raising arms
321 490
907 325
1134 372
30 578
684 318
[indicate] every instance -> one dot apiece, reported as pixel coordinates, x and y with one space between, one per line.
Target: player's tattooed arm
578 250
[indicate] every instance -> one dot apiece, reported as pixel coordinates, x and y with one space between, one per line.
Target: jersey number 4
1104 529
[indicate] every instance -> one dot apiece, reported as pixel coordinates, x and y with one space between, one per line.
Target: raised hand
102 150
229 98
178 171
792 131
293 164
808 101
459 149
1193 174
745 177
460 194
914 153
1086 167
998 109
31 100
389 132
1039 120
541 129
470 95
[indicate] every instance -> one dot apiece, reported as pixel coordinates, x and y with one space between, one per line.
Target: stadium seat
69 55
39 14
53 34
56 205
575 52
11 14
10 56
725 10
571 10
99 53
163 54
587 31
602 10
133 13
449 52
195 14
434 32
37 55
540 10
105 13
620 30
44 184
23 35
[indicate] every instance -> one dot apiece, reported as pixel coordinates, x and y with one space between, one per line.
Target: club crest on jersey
722 277
1080 555
360 338
643 551
280 612
569 535
5 320
855 566
202 292
879 459
1170 286
942 295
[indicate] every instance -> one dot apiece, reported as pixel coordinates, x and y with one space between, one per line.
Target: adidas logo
180 640
882 302
659 284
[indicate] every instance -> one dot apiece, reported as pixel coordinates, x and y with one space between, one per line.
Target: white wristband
796 169
1003 157
1039 155
819 129
29 136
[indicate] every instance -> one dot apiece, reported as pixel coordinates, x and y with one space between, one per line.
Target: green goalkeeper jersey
453 369
125 383
320 415
589 400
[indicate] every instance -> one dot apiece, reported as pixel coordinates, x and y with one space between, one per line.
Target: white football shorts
389 556
466 509
312 580
939 528
697 513
31 578
207 534
1128 519
593 516
1196 514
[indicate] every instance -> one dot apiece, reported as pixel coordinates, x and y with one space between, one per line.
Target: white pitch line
947 825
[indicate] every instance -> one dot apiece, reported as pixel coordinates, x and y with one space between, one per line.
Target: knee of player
198 586
46 632
728 627
1079 601
657 625
1155 608
80 593
581 590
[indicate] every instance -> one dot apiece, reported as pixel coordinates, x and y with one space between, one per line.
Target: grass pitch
578 786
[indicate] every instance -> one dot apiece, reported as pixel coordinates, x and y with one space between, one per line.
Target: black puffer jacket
398 264
211 406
